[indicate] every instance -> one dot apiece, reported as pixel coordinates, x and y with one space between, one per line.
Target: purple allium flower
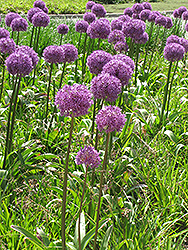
70 53
128 11
81 26
185 15
89 17
173 39
98 10
173 52
181 10
143 39
152 17
7 45
19 24
89 5
110 118
97 60
105 86
147 5
161 21
46 10
40 19
53 54
137 8
118 69
144 14
32 12
19 63
186 27
89 157
73 100
169 23
116 24
9 17
135 16
4 33
176 14
40 4
27 50
121 47
63 29
134 28
184 43
126 59
116 36
124 18
99 29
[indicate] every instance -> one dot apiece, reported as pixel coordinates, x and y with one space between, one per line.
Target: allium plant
98 10
19 24
124 18
144 14
128 11
116 24
99 29
4 33
62 29
147 5
89 17
137 8
126 59
121 47
116 36
89 5
10 17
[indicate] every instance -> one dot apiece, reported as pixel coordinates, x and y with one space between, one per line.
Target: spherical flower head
144 14
19 24
116 36
176 14
89 157
135 16
32 12
99 29
63 29
98 10
97 60
73 100
70 53
4 33
147 5
81 26
110 118
89 5
134 28
173 39
143 39
40 19
9 17
106 87
161 21
40 4
169 23
7 45
137 8
128 11
119 69
46 10
126 59
19 63
152 17
124 18
53 54
121 47
184 43
173 52
181 10
29 51
185 15
89 17
186 27
116 24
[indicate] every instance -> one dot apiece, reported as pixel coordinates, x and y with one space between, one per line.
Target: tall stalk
48 92
136 66
62 75
154 45
37 43
17 40
32 33
83 57
2 82
76 62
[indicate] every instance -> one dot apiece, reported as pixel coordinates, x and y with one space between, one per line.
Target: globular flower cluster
40 4
89 17
4 33
160 20
73 100
176 14
126 59
70 53
116 36
29 51
119 69
152 17
173 39
63 29
116 24
98 10
181 10
137 8
9 17
97 60
7 45
169 23
106 87
185 15
89 5
184 43
121 47
186 27
40 19
53 54
19 63
173 52
89 157
99 29
124 18
81 26
134 28
143 39
110 118
147 5
19 24
144 14
32 12
128 11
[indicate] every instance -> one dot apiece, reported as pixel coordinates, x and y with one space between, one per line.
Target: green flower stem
165 95
76 62
62 74
48 92
99 41
100 191
136 66
32 33
37 43
2 82
93 120
83 57
80 210
163 40
153 50
178 27
131 48
17 40
65 188
35 37
61 38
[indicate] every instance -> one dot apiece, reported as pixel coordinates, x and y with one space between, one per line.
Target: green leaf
82 229
172 136
104 243
29 235
44 237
